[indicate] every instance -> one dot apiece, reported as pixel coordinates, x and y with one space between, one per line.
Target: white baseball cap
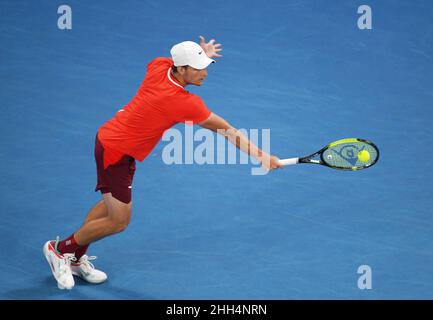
189 53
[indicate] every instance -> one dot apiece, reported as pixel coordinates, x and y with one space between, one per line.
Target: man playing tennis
160 103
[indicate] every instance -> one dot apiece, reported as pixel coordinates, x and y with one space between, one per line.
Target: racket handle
288 162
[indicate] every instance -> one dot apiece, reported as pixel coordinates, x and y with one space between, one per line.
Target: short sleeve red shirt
160 103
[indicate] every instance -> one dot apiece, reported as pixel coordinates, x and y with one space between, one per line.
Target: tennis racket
345 154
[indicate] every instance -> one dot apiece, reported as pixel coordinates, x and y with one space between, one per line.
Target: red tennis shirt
160 103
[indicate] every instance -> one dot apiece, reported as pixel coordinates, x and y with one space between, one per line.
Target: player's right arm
222 127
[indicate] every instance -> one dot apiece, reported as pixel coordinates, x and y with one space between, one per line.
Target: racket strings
347 155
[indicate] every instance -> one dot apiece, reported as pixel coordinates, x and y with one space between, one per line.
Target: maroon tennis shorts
117 178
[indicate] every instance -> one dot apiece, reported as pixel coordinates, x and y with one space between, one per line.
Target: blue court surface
304 70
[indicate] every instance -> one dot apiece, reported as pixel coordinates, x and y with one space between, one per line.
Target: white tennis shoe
60 265
86 270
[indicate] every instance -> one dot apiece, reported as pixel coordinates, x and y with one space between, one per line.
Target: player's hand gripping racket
345 154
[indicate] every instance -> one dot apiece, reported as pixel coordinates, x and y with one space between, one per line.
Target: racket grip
288 162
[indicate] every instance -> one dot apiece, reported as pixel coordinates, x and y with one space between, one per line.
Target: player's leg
117 219
67 257
65 264
109 216
99 210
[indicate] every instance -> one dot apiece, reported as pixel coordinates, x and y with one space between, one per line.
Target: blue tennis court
302 69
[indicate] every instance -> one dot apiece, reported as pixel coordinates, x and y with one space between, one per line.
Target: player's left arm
222 127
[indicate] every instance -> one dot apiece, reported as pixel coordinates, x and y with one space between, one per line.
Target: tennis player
160 103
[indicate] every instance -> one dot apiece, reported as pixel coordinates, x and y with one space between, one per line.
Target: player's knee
122 221
121 226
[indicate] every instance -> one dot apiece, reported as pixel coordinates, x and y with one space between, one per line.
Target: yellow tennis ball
364 156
